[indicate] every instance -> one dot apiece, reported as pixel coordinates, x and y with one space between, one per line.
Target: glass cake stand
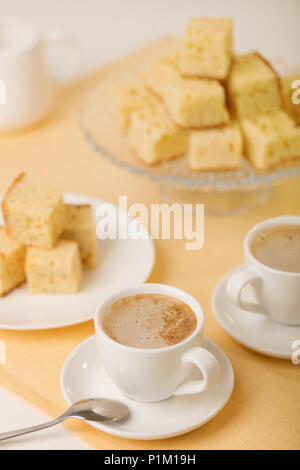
222 192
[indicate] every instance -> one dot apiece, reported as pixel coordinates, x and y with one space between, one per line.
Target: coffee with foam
279 247
149 321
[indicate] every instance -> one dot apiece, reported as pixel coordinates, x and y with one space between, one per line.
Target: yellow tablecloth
264 411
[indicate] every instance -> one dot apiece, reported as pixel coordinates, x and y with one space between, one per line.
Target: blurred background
106 29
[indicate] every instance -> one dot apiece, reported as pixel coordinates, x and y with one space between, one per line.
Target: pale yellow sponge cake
34 213
291 96
216 149
253 86
12 263
80 226
55 271
129 97
163 70
153 136
192 103
206 48
271 139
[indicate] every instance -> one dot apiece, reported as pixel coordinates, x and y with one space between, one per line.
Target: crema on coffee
278 247
149 321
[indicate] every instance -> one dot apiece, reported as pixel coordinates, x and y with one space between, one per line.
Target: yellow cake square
270 139
57 270
34 213
216 149
291 96
206 48
12 263
80 226
129 97
253 86
192 103
153 136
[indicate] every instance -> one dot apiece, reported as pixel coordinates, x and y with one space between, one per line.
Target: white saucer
83 376
123 263
257 332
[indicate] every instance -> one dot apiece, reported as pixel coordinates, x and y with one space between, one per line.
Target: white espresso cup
277 292
150 375
27 84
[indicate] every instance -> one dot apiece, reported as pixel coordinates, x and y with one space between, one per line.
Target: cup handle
209 367
54 38
237 282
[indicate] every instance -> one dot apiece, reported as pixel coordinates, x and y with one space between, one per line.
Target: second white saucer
83 376
257 332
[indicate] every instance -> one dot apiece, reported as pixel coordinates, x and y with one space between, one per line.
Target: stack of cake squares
202 100
44 241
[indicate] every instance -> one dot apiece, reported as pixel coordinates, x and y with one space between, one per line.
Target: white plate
123 263
83 376
257 332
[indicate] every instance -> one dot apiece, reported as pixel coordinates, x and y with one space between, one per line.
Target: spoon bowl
98 409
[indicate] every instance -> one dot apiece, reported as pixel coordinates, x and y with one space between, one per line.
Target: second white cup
278 292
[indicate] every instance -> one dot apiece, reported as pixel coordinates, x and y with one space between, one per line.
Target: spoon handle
21 432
